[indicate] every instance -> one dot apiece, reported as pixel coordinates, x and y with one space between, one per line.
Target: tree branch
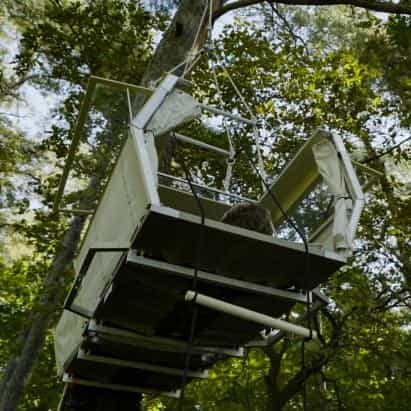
287 25
374 5
294 385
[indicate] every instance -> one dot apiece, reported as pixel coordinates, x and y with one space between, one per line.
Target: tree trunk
279 396
176 43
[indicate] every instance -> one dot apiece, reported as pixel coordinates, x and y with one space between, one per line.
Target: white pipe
249 315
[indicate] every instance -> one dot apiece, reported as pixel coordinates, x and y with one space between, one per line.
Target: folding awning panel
324 156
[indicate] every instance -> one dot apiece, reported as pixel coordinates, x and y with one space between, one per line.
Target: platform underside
232 251
110 356
150 301
84 398
146 297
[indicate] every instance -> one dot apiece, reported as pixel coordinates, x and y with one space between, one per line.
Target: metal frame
141 150
206 188
161 343
83 355
302 174
102 247
157 97
68 379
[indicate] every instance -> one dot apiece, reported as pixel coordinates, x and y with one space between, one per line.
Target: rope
190 61
384 153
253 117
308 309
209 49
247 107
191 55
231 159
200 242
303 368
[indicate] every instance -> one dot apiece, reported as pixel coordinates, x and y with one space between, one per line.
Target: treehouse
127 317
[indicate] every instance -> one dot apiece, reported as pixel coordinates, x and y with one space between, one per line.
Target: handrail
203 187
93 82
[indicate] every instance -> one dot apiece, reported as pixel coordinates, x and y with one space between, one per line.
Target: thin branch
374 5
384 153
3 113
287 25
10 87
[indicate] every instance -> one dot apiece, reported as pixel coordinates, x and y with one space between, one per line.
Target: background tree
316 81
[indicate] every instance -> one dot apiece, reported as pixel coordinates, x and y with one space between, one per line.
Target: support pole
249 315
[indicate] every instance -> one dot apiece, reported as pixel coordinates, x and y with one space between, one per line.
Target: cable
213 54
277 203
200 245
191 56
306 269
303 370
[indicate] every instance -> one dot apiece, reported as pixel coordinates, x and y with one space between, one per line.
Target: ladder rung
201 144
68 379
158 343
82 355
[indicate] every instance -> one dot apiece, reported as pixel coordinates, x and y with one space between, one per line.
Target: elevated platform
145 321
126 322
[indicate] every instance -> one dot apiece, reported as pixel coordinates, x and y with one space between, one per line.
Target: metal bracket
102 247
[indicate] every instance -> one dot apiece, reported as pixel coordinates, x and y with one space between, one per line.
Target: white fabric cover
121 208
331 169
176 109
